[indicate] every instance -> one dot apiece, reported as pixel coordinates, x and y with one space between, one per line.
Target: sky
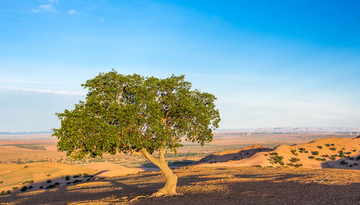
282 63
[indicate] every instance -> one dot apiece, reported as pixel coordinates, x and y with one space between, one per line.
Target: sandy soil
210 185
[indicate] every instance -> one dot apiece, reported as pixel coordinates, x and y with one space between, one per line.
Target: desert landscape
310 168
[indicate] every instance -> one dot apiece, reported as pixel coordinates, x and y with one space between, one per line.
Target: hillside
341 153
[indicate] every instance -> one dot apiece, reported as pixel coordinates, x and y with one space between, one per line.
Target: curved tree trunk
171 178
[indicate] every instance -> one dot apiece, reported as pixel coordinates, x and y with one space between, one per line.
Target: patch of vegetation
328 145
320 147
68 183
301 150
14 188
276 160
8 192
333 157
273 153
1 182
311 157
321 159
343 162
265 154
332 148
341 154
76 176
29 146
24 188
294 152
28 182
50 186
57 183
358 158
26 166
30 187
41 187
347 152
294 159
257 165
67 177
48 181
332 144
325 155
315 153
354 150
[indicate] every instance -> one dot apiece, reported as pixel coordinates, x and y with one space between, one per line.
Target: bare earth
210 185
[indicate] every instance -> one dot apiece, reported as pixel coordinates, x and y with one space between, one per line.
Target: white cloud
32 90
101 20
45 7
72 12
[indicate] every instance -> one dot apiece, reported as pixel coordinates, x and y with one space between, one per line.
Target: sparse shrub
347 152
1 182
342 148
306 152
311 157
2 192
294 152
294 159
358 158
50 186
67 177
68 183
333 157
301 150
48 181
48 175
30 187
354 150
332 144
352 158
320 147
24 188
341 153
273 153
76 176
257 165
325 155
57 183
315 153
265 154
343 162
14 188
328 145
8 192
298 165
26 166
332 148
76 181
323 159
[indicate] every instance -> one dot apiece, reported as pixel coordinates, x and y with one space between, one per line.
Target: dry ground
210 185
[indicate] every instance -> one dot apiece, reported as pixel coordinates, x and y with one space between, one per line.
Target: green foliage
8 192
341 153
257 165
332 148
127 113
294 159
294 152
328 145
343 162
311 157
320 147
1 182
67 177
2 192
301 150
48 181
24 188
276 160
273 154
315 153
354 150
29 181
15 188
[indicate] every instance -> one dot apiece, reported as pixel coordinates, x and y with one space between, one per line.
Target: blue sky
269 63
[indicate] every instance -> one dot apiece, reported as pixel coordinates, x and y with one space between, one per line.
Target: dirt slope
341 153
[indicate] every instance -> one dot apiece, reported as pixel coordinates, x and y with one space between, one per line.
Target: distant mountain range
353 130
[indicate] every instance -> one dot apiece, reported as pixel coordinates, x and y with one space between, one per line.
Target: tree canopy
127 113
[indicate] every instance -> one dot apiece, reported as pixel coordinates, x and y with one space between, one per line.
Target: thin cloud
101 20
72 12
32 90
45 7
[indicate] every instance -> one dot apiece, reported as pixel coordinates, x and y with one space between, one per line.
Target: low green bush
67 177
2 192
294 152
1 182
332 148
343 162
320 147
328 145
48 181
311 157
315 153
8 192
15 188
57 183
294 159
30 187
24 188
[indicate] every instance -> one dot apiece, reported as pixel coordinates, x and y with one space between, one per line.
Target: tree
133 113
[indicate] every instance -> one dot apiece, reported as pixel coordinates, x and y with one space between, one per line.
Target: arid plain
235 168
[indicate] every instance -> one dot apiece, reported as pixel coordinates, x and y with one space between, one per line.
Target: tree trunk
171 178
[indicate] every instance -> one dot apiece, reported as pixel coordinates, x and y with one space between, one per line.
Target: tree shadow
242 154
343 163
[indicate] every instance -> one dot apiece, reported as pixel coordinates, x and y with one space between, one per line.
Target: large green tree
132 113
